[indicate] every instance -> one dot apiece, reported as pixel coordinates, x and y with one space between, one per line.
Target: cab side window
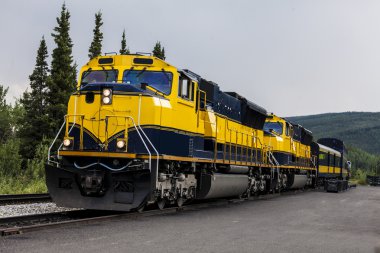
287 129
185 88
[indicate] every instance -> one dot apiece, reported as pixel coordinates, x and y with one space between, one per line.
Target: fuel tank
297 181
219 185
233 169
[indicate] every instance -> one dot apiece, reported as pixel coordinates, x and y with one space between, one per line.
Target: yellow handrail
199 103
67 118
127 119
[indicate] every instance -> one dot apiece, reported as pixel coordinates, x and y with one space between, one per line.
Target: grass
22 184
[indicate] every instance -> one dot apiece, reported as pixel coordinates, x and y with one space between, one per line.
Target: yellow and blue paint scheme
140 131
177 121
289 151
331 163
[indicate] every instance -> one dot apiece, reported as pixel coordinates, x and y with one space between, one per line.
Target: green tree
35 123
17 117
5 119
158 51
124 49
10 160
96 44
62 80
163 53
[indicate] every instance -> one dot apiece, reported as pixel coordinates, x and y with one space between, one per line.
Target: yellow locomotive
141 131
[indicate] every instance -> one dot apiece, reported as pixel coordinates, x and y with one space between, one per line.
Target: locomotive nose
104 123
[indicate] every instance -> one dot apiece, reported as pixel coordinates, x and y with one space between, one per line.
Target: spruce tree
35 123
5 121
158 51
124 49
96 44
163 53
62 80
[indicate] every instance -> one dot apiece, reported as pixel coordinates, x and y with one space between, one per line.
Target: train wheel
161 204
141 208
180 202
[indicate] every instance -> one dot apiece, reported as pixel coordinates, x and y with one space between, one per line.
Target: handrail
137 130
216 140
254 137
67 132
199 103
67 117
53 142
246 148
75 111
154 148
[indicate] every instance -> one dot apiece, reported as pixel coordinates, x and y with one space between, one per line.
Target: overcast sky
293 57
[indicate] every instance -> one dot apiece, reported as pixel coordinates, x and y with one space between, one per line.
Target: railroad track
28 223
24 198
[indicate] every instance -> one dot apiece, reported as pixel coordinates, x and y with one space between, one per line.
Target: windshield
99 76
275 126
159 80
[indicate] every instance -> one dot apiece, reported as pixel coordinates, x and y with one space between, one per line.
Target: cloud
292 57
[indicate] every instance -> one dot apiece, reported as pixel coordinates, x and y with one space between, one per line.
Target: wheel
141 208
180 202
161 204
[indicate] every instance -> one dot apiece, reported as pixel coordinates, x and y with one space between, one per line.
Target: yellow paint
331 170
169 111
285 143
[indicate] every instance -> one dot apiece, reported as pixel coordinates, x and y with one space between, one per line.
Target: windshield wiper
105 71
166 75
142 71
88 71
157 92
126 74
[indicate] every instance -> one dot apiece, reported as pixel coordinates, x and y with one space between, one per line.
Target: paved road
304 222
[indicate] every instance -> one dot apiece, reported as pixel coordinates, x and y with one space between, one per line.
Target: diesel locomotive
140 131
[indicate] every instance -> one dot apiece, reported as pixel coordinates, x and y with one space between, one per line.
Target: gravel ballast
29 209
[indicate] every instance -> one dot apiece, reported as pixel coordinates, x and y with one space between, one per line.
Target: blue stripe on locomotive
168 142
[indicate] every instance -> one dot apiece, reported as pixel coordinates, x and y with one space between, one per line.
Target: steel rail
24 198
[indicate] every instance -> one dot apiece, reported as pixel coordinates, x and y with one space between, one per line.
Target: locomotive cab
278 134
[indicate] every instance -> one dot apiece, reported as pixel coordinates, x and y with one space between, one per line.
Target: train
139 131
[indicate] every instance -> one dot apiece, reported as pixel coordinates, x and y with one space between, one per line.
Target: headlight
66 142
106 92
107 96
120 144
106 100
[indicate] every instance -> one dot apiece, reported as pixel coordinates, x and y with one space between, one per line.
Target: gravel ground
347 222
27 209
